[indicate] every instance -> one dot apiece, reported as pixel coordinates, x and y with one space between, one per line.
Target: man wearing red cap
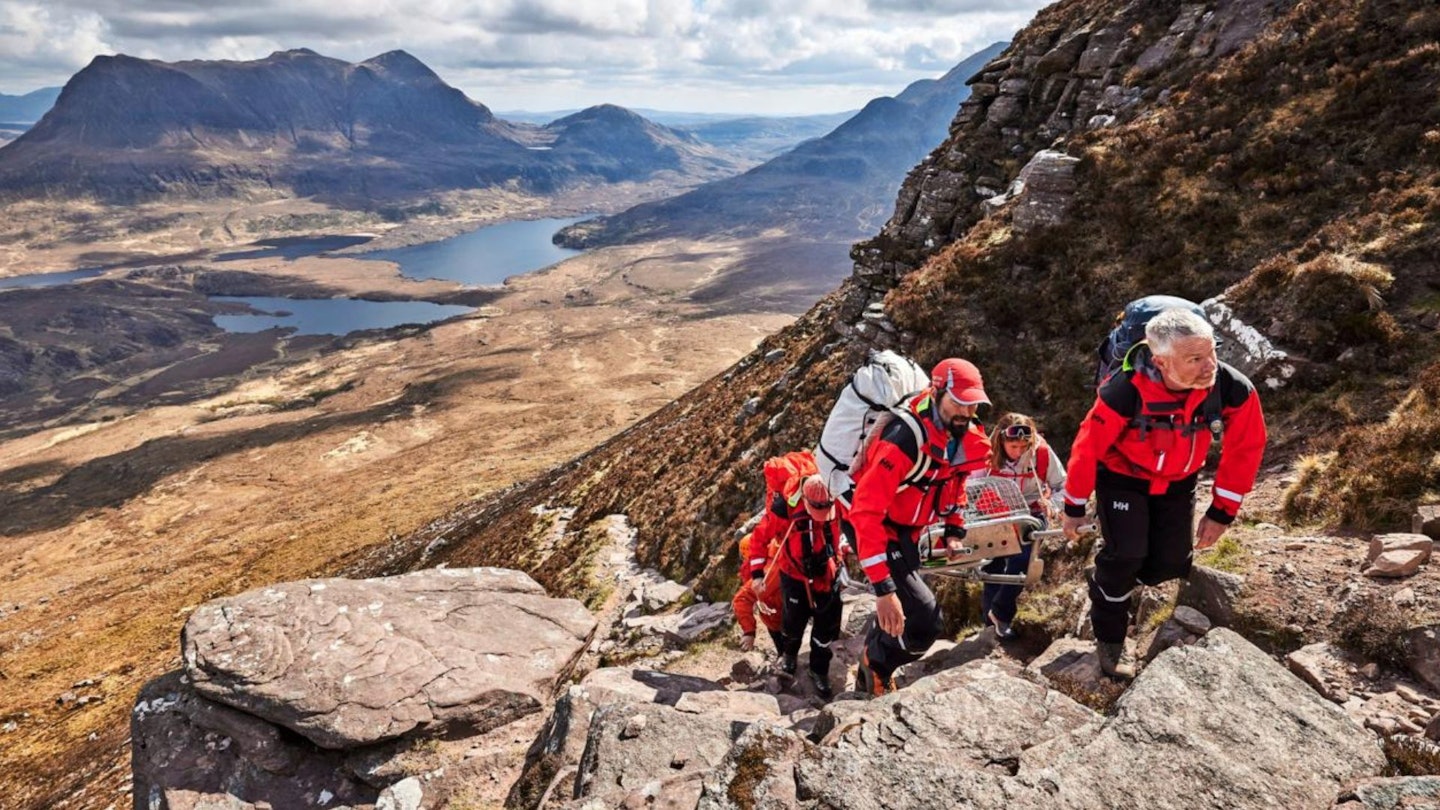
913 475
811 550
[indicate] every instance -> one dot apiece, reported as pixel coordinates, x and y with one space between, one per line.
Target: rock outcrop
347 663
1219 719
333 692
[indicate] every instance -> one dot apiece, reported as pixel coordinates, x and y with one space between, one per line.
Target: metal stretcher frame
996 522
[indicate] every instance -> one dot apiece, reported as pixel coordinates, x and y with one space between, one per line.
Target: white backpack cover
873 390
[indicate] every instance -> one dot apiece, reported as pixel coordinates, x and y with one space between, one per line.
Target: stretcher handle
1050 534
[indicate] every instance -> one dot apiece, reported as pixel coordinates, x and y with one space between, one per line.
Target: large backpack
872 393
1130 329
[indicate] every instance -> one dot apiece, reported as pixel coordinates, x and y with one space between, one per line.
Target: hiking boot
868 682
787 665
1003 630
821 682
1109 655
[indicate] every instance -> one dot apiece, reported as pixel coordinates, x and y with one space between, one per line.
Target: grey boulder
348 663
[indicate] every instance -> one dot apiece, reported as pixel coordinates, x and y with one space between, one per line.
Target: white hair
1175 324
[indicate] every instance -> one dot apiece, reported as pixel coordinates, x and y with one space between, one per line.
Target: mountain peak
605 114
401 65
293 53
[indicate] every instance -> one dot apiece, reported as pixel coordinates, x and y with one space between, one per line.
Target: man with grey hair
1140 450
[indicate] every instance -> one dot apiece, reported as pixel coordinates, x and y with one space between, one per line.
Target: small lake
485 256
49 279
330 316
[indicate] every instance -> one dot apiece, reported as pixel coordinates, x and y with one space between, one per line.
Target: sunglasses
819 507
1017 432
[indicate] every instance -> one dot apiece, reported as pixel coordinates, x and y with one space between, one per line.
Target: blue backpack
1130 329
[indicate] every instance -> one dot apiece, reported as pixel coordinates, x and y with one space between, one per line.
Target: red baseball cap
813 492
962 379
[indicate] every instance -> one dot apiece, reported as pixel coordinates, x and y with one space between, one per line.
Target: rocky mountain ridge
297 122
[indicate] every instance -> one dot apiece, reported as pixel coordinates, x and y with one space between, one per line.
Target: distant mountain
763 137
126 128
837 187
751 137
28 108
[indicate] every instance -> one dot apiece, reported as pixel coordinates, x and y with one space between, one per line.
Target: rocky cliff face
308 124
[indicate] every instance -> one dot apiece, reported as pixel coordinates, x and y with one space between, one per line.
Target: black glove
954 532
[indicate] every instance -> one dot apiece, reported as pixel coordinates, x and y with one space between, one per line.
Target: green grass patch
1226 555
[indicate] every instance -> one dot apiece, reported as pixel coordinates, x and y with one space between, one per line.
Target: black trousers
922 615
798 609
1148 538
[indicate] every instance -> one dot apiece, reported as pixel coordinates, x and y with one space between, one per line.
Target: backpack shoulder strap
915 432
1120 394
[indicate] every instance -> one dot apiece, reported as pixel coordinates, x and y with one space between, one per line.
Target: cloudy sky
771 56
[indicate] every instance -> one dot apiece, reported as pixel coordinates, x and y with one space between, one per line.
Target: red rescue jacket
1140 428
787 521
747 603
887 498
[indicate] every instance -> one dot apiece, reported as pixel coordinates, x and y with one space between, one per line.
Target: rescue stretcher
998 523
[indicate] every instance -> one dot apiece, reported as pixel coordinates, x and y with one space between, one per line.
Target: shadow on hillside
29 472
112 480
787 277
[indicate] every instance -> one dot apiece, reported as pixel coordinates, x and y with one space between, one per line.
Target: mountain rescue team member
913 475
1140 449
748 599
809 555
1019 453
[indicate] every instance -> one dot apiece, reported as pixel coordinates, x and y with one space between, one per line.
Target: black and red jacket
801 538
1139 428
908 481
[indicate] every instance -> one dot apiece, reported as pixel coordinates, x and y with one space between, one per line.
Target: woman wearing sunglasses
1018 452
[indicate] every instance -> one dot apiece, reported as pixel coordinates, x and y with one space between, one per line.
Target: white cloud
40 41
755 55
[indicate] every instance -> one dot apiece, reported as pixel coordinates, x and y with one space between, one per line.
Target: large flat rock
348 663
1220 720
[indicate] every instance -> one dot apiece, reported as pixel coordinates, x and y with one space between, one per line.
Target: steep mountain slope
298 122
836 187
1235 144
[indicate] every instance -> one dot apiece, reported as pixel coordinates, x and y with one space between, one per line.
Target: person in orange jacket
749 599
913 475
809 555
1140 450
